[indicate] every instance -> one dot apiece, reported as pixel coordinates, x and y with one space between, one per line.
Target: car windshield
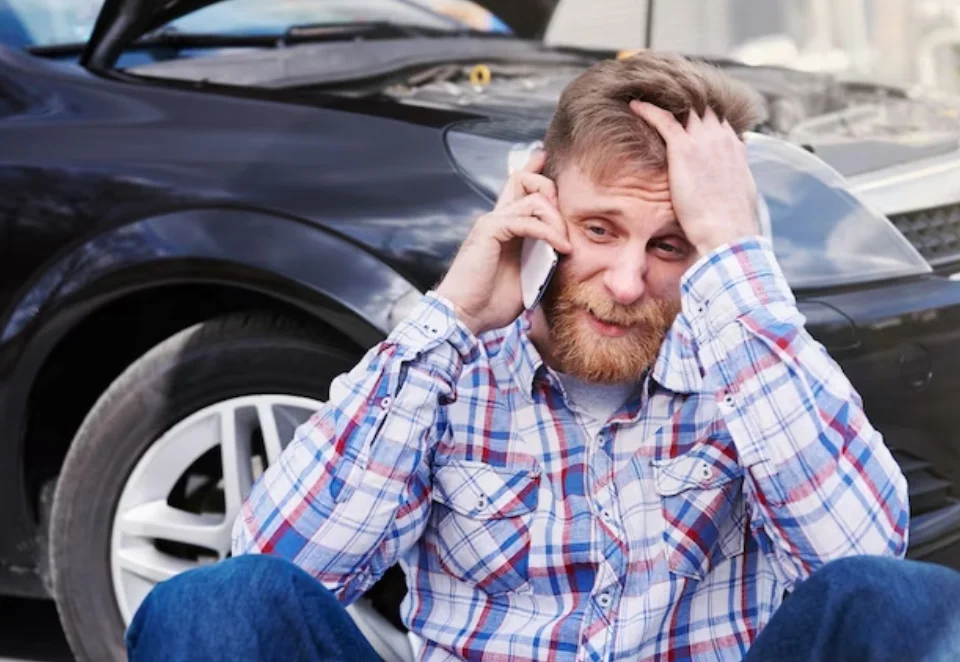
25 23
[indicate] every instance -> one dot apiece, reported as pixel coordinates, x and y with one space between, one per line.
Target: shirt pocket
483 516
701 500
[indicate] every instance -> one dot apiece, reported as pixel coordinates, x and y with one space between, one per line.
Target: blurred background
898 42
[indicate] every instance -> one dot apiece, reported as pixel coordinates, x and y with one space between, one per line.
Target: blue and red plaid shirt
742 462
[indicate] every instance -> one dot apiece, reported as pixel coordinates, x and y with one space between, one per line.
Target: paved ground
30 632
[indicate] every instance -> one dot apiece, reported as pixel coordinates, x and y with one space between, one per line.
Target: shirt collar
521 357
677 367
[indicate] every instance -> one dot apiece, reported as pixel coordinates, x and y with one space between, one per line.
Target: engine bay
844 122
792 99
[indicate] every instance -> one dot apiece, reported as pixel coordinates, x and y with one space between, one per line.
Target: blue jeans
263 609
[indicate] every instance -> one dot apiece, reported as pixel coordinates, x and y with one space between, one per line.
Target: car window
46 22
261 17
25 23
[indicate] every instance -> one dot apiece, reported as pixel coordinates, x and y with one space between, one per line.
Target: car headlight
823 234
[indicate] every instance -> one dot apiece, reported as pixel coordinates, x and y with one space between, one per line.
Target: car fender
325 274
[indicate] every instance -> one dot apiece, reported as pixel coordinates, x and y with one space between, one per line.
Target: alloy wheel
177 509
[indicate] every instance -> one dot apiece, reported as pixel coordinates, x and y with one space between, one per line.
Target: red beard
584 353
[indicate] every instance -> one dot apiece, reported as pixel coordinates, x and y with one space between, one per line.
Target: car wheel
158 469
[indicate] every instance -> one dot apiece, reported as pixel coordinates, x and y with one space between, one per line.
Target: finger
537 160
523 183
733 136
538 205
661 120
710 119
693 121
531 182
531 227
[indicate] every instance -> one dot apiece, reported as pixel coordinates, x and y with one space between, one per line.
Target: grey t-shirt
594 402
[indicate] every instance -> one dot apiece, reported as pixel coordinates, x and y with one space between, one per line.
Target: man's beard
585 354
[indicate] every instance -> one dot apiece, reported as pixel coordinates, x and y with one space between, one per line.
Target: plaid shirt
742 462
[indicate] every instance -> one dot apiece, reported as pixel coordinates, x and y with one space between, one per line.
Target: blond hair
594 128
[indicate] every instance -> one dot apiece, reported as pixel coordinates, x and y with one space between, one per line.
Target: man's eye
670 249
597 230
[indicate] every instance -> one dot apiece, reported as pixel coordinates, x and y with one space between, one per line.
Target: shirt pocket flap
482 491
703 467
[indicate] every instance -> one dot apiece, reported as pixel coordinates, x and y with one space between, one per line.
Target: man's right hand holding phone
483 283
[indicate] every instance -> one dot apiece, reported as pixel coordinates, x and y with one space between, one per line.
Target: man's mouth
604 328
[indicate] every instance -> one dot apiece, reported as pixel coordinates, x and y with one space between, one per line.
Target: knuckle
538 199
546 183
515 179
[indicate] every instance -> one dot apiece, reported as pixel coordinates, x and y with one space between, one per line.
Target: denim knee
859 570
252 590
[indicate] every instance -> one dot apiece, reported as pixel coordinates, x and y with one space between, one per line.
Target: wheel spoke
237 468
270 431
151 564
143 514
159 521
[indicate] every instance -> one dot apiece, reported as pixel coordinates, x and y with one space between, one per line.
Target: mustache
651 312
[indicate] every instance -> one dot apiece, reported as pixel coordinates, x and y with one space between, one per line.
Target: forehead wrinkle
652 187
620 199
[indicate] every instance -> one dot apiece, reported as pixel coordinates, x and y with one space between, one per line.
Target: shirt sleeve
351 492
820 483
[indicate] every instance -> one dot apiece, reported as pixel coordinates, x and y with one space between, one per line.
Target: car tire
223 358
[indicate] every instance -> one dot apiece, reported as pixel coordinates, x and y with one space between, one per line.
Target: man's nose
625 281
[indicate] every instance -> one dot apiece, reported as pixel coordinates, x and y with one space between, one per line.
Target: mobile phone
538 261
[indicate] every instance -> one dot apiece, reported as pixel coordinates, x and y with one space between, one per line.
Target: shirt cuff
730 282
434 328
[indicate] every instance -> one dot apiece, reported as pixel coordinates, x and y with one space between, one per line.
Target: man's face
614 297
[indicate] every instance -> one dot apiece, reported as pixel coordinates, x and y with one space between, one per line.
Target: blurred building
902 42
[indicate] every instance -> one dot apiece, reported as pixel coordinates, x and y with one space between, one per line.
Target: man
638 470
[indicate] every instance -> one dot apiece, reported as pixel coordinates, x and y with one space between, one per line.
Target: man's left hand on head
711 186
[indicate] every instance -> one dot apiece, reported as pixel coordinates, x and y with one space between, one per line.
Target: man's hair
594 128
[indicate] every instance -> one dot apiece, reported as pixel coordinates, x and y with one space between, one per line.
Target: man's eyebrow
672 226
593 212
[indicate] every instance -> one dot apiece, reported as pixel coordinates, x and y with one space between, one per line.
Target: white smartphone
538 261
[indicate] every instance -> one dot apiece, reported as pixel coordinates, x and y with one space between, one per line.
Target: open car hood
121 22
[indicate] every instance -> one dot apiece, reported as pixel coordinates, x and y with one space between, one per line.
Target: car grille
934 232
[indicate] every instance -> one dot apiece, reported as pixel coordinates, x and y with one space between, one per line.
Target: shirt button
604 599
607 515
481 502
385 402
706 471
600 439
729 401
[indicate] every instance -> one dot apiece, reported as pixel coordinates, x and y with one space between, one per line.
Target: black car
194 245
